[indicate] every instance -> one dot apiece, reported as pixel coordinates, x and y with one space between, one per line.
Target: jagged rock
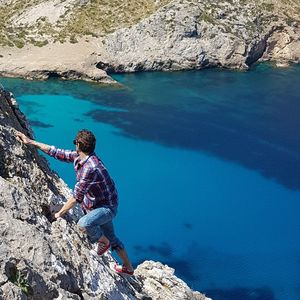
159 282
196 34
283 46
44 260
11 291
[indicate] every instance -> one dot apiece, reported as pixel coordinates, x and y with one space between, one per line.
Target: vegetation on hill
40 22
76 19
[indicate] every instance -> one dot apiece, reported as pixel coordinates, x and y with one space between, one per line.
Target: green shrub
40 43
73 39
19 43
267 6
19 280
206 17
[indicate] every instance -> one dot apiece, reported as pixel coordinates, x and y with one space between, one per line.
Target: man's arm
60 154
67 206
80 190
26 140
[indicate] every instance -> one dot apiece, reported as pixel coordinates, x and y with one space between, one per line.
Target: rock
11 291
65 61
44 260
283 47
159 282
194 35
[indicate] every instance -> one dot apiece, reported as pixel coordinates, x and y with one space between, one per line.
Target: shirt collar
80 162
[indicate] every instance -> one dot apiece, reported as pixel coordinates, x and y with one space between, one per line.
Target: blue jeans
98 222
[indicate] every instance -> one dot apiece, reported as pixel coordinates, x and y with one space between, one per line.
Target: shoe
123 270
102 247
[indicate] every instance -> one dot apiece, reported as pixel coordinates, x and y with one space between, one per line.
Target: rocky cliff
197 34
84 39
44 260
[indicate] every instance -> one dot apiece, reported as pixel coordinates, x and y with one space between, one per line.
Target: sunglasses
74 142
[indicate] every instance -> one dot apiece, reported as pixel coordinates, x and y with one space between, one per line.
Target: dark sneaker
102 247
123 270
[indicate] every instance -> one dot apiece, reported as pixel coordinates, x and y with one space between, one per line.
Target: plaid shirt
94 187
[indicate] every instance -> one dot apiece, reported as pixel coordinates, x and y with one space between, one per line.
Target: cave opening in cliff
53 75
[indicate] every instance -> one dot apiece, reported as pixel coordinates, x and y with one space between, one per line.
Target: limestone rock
196 34
65 61
283 46
159 282
41 259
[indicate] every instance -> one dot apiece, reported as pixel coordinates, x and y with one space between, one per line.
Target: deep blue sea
207 164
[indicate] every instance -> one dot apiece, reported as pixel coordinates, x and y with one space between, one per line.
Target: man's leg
92 221
116 244
125 260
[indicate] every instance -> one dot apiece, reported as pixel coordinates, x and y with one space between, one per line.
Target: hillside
144 35
41 22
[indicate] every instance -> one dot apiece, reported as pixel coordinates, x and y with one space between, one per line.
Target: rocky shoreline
45 260
65 61
180 35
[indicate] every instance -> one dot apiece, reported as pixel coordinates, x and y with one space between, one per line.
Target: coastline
65 61
79 62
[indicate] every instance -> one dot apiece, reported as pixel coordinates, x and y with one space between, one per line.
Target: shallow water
207 167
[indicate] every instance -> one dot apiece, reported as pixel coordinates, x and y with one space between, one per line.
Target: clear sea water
207 165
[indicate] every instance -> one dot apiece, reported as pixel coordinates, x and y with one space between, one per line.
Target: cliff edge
44 260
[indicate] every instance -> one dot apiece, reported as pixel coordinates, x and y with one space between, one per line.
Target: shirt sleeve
83 185
63 155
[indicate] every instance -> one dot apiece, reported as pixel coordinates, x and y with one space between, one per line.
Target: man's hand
67 206
23 138
57 215
27 141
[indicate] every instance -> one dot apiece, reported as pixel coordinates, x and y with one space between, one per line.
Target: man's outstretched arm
60 154
26 140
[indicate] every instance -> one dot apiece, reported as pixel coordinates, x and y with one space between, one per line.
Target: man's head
85 141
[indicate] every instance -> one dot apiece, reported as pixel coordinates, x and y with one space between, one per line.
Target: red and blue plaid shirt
94 187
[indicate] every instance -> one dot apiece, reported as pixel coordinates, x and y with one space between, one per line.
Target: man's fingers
22 137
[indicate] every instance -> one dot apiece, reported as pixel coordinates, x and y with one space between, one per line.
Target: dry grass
96 18
104 16
100 17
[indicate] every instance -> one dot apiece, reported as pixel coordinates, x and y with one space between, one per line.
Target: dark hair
86 141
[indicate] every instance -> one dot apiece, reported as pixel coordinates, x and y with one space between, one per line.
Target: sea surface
207 164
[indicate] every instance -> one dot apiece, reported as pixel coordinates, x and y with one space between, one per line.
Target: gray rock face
193 34
158 282
44 260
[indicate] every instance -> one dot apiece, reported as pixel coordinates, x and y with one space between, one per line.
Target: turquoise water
207 166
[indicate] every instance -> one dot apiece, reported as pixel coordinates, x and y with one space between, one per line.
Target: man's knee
82 229
82 224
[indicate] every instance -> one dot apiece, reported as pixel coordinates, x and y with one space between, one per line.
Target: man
94 190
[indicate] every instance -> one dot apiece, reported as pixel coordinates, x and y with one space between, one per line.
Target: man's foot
102 247
123 270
